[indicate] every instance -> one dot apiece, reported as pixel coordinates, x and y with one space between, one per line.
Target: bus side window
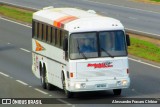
37 30
58 37
55 36
44 32
49 34
63 34
40 31
33 28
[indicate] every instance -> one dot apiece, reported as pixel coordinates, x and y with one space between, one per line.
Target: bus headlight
80 85
77 85
124 82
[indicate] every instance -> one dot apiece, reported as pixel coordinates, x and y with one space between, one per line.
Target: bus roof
76 20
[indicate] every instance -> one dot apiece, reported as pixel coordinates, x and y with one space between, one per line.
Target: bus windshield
97 44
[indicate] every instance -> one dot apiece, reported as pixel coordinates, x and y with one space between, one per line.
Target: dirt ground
152 40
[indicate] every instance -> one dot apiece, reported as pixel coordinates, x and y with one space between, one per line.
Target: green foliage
17 14
156 0
144 50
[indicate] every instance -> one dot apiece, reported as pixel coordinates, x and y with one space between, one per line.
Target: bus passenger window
44 32
58 37
49 34
37 33
33 29
55 36
40 31
61 36
63 33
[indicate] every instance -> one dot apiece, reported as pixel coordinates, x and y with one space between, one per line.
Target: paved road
132 4
13 88
15 55
135 19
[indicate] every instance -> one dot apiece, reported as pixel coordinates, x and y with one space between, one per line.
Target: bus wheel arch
48 85
117 92
62 78
40 68
43 75
67 93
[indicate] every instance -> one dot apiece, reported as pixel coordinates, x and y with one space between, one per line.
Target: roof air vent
46 8
91 11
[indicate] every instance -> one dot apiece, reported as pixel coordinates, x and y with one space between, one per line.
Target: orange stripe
63 20
69 20
39 47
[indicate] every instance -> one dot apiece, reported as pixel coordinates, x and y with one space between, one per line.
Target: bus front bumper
80 86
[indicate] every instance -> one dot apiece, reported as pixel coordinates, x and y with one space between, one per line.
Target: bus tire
48 85
117 91
67 93
43 78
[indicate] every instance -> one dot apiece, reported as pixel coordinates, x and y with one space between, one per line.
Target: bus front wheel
67 93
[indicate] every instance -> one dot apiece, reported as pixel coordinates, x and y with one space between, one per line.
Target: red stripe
63 20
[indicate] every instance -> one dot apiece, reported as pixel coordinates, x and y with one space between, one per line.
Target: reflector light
127 71
71 74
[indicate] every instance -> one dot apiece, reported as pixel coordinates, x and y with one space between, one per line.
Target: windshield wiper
107 53
80 51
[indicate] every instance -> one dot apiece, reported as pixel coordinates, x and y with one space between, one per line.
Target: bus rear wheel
48 86
117 91
43 78
67 93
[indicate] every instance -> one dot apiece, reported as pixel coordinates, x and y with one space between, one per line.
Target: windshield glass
97 44
83 45
113 43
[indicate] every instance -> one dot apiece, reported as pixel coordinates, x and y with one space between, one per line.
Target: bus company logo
6 101
39 47
101 65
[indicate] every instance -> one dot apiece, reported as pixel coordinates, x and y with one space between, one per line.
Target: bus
79 51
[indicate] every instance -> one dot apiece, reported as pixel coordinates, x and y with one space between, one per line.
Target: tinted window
112 42
83 45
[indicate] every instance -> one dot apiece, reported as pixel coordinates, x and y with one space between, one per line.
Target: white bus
79 51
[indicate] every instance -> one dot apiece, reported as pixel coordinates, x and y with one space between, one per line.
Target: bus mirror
65 45
128 40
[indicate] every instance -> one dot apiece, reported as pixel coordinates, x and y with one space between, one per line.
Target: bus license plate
101 85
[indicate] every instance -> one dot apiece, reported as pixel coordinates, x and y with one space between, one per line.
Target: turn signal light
71 75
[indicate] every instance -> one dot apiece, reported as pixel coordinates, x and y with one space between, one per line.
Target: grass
15 13
139 48
156 0
144 49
